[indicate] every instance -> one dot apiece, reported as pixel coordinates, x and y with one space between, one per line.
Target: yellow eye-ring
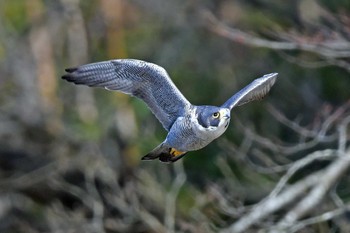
216 114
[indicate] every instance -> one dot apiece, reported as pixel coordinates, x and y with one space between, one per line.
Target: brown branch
326 181
271 205
331 49
317 219
319 183
329 178
298 165
170 199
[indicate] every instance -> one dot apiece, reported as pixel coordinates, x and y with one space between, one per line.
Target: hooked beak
225 114
226 117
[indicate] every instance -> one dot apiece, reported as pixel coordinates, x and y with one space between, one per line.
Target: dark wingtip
274 78
69 76
71 70
271 76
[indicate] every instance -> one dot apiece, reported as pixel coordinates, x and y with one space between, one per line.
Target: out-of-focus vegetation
70 155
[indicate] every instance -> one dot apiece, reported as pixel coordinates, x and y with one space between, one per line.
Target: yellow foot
174 155
175 152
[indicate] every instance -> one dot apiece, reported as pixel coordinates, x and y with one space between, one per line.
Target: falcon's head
213 118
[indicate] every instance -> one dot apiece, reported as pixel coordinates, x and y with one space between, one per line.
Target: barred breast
185 135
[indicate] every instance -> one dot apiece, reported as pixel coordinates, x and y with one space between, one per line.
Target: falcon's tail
164 154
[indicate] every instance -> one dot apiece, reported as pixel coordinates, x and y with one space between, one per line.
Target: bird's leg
175 154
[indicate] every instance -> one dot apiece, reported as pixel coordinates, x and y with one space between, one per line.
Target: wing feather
144 80
254 91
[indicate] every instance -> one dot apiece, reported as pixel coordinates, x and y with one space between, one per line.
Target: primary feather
189 127
254 91
145 80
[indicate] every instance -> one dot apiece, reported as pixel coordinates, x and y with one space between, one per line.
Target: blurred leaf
14 15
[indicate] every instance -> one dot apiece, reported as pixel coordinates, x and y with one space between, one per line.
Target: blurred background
70 155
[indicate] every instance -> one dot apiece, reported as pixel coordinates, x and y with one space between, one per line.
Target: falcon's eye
216 114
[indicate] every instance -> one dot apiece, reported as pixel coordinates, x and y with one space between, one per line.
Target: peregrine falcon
190 127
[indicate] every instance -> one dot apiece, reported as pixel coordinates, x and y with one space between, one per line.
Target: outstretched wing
147 81
254 91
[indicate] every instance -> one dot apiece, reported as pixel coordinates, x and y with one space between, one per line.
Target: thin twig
328 49
170 200
270 205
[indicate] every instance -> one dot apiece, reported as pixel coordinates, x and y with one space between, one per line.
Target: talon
175 154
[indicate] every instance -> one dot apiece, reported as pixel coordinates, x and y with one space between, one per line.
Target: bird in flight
190 127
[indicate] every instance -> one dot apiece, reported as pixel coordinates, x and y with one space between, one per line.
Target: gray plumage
146 81
190 127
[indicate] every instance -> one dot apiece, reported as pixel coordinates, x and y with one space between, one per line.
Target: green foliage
207 67
337 6
261 21
14 15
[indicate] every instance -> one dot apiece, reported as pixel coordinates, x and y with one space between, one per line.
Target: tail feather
164 154
155 153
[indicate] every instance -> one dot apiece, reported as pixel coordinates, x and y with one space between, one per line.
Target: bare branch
267 207
317 219
310 189
330 177
170 200
333 51
325 154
